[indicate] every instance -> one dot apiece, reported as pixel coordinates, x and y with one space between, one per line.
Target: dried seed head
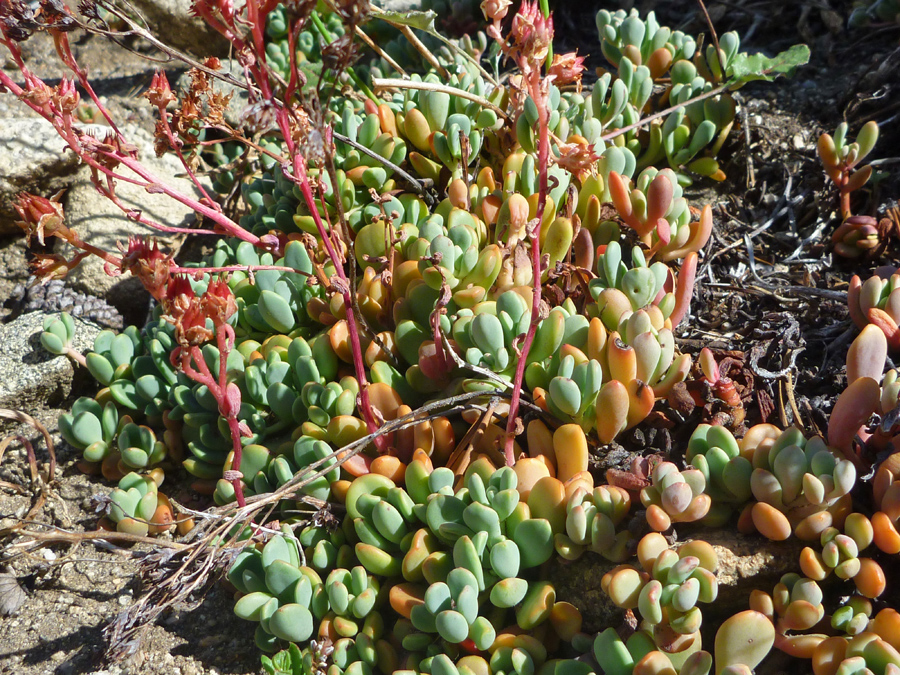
353 12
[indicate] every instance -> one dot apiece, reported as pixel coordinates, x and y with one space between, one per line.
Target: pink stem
219 390
175 144
153 185
76 356
534 84
64 129
225 341
301 179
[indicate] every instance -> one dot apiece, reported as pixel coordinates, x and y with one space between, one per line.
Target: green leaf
749 67
421 20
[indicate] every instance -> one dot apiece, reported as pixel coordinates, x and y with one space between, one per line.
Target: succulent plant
839 551
58 334
862 653
90 427
714 452
874 302
279 593
840 158
675 496
454 238
137 507
801 486
56 296
852 617
667 591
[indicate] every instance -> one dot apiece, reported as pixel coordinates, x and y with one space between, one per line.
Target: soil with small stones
769 296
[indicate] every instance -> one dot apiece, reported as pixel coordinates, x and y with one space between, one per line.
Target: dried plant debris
12 595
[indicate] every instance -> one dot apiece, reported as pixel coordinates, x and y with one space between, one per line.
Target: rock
33 158
578 583
31 377
101 223
177 26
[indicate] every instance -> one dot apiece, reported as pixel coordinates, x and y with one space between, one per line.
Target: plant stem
534 235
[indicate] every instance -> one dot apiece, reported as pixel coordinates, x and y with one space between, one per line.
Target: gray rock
33 158
101 223
173 22
31 377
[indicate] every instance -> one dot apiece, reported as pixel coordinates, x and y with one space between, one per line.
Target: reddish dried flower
54 266
578 158
145 261
218 302
191 329
211 8
567 68
67 97
160 93
179 294
186 312
42 217
532 33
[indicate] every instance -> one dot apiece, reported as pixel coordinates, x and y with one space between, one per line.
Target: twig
378 50
58 535
423 50
24 418
712 30
663 113
417 185
384 83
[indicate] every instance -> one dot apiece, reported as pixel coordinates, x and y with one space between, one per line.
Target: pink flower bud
495 10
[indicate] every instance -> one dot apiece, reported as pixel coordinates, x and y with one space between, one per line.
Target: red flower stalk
532 33
189 314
